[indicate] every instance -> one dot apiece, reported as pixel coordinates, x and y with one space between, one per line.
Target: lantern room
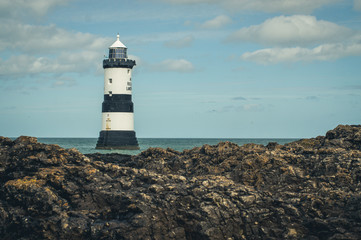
117 50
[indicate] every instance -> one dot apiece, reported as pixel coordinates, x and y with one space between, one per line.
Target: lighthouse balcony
118 63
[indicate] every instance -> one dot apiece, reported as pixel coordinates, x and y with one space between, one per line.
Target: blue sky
205 68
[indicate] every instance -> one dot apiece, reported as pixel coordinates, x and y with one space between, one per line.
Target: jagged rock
307 189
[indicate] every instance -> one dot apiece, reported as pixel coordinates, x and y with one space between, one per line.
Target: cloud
298 30
64 81
312 98
298 38
180 43
216 22
45 39
352 87
36 49
21 8
251 107
137 59
323 52
63 61
283 6
239 98
174 65
24 64
357 5
21 65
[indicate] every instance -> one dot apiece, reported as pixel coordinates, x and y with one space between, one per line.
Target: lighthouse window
110 93
128 71
110 80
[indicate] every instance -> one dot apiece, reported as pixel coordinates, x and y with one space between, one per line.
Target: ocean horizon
87 145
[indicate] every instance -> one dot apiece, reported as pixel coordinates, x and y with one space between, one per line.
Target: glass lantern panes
118 53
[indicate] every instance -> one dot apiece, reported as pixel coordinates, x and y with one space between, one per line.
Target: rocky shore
308 189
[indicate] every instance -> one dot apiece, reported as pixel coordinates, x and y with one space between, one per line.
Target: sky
205 68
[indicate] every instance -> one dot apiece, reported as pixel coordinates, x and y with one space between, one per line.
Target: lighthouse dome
117 50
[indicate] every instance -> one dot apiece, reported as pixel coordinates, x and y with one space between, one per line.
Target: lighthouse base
124 140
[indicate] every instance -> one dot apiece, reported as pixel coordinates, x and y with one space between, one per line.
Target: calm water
87 145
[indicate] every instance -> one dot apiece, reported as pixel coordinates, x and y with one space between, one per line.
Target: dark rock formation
308 189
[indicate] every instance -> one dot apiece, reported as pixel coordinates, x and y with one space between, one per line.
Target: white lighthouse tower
117 109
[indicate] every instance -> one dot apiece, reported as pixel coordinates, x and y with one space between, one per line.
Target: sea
87 145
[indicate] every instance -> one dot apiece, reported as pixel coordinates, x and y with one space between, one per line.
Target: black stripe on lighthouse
117 140
117 103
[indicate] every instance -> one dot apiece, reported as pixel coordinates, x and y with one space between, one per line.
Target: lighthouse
117 108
